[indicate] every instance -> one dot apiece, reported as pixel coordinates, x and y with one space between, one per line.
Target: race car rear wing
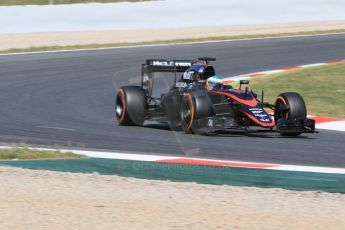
167 66
153 66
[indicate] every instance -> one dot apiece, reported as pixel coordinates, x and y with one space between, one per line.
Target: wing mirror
243 82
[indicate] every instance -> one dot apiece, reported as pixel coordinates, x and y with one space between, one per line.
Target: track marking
194 161
207 162
57 128
170 44
268 72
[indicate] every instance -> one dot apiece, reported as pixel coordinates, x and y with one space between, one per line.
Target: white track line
332 125
170 44
57 128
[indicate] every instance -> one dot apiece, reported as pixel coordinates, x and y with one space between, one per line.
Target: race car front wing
295 125
214 124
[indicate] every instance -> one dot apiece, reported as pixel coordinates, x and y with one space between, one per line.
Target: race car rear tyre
194 107
130 106
290 106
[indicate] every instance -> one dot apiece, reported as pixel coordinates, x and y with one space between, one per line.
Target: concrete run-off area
127 23
166 14
128 37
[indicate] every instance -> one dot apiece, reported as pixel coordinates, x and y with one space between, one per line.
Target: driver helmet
214 83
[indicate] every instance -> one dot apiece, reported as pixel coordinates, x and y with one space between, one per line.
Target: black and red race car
198 102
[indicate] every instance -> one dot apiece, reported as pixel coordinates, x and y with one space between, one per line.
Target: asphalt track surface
67 99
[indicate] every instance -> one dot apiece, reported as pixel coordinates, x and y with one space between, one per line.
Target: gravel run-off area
34 199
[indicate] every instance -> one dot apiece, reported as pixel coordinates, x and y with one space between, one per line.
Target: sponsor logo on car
180 84
171 63
183 64
161 63
188 75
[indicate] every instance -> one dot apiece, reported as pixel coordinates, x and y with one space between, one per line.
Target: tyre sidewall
134 105
200 105
297 109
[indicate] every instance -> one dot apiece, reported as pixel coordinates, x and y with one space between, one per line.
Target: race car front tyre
130 106
290 106
194 107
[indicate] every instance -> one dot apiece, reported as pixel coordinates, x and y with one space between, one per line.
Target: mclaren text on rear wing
160 65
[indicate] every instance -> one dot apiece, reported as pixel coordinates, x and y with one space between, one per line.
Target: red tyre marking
190 101
284 102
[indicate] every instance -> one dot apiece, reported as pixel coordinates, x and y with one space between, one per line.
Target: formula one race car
199 102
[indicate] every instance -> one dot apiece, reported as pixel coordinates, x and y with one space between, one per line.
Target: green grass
160 42
28 154
45 2
322 87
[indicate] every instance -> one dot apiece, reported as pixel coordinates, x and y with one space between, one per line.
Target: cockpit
197 73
